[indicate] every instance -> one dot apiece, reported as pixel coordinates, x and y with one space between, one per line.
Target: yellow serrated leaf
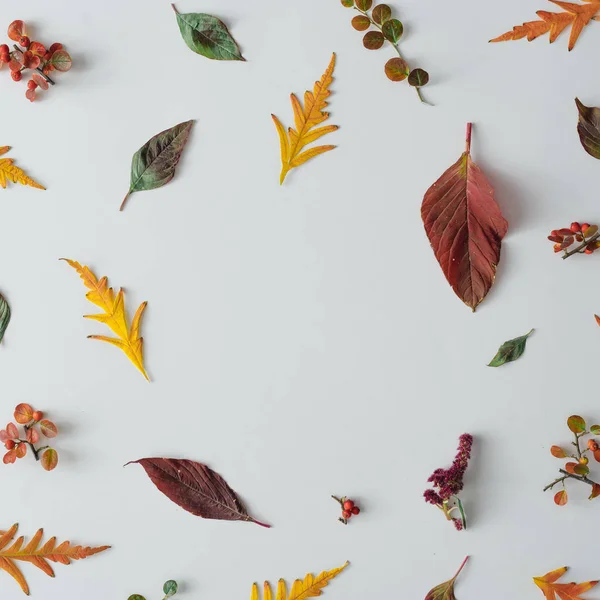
305 118
114 316
8 172
308 588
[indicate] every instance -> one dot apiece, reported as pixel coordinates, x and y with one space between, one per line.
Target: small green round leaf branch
169 589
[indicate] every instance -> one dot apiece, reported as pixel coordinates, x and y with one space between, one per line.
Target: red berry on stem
16 75
575 227
4 49
585 227
38 415
9 444
355 510
5 57
31 84
24 42
348 505
56 46
589 251
346 514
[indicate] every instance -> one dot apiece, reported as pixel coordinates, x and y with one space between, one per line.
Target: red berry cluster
349 508
33 56
17 448
584 233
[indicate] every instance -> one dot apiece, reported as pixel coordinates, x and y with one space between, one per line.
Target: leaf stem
259 523
124 200
581 246
464 562
37 69
468 138
395 45
175 9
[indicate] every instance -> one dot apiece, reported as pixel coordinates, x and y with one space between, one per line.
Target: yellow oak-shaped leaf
38 556
306 118
114 316
8 172
309 587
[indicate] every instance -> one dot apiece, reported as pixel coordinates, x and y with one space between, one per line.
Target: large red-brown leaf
196 488
465 227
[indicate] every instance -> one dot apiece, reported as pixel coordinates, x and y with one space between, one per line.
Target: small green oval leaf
364 5
373 40
348 3
418 78
361 23
4 316
595 429
170 588
576 424
381 13
392 30
208 36
396 69
582 470
510 351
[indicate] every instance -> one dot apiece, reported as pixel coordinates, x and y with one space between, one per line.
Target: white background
301 340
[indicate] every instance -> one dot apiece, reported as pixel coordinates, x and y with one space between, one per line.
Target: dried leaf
208 36
61 60
576 424
565 591
396 69
595 491
38 556
310 587
196 488
373 40
418 78
49 459
153 165
465 228
381 13
48 428
128 340
561 498
16 30
445 591
510 350
588 128
23 413
4 316
8 172
305 119
558 452
577 15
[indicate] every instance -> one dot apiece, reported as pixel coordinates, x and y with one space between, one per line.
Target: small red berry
56 46
47 56
31 84
355 510
589 251
585 227
16 75
348 505
5 57
557 247
575 227
4 49
346 514
25 42
9 444
38 415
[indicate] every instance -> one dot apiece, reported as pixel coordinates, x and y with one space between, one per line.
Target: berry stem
38 69
468 138
581 246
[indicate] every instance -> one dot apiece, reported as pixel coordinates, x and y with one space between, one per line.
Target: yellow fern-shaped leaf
63 553
8 172
309 587
114 316
305 119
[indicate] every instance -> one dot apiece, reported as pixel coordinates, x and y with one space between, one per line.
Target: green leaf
373 40
136 597
595 429
364 5
392 30
418 78
154 164
588 128
590 231
576 424
61 60
581 470
381 13
348 3
170 588
4 316
510 350
207 35
396 69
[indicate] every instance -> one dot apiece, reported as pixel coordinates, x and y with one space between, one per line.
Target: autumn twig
579 249
50 81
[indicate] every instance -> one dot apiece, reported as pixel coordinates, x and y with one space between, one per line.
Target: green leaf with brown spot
418 78
348 3
576 424
361 23
373 40
364 5
392 30
381 13
396 69
510 350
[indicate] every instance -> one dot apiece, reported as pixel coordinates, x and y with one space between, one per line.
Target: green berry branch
578 470
349 508
32 55
390 30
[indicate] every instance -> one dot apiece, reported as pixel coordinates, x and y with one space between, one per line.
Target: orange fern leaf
305 119
39 556
576 15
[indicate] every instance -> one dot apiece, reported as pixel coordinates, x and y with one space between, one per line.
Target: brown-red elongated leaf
196 488
465 227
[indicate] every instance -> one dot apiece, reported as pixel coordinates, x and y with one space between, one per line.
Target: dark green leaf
170 588
207 35
510 350
595 429
373 40
153 165
588 128
361 23
418 78
364 5
348 3
576 424
396 69
381 13
392 30
4 316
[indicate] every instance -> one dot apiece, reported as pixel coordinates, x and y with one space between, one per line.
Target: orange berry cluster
349 508
30 419
584 233
33 56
